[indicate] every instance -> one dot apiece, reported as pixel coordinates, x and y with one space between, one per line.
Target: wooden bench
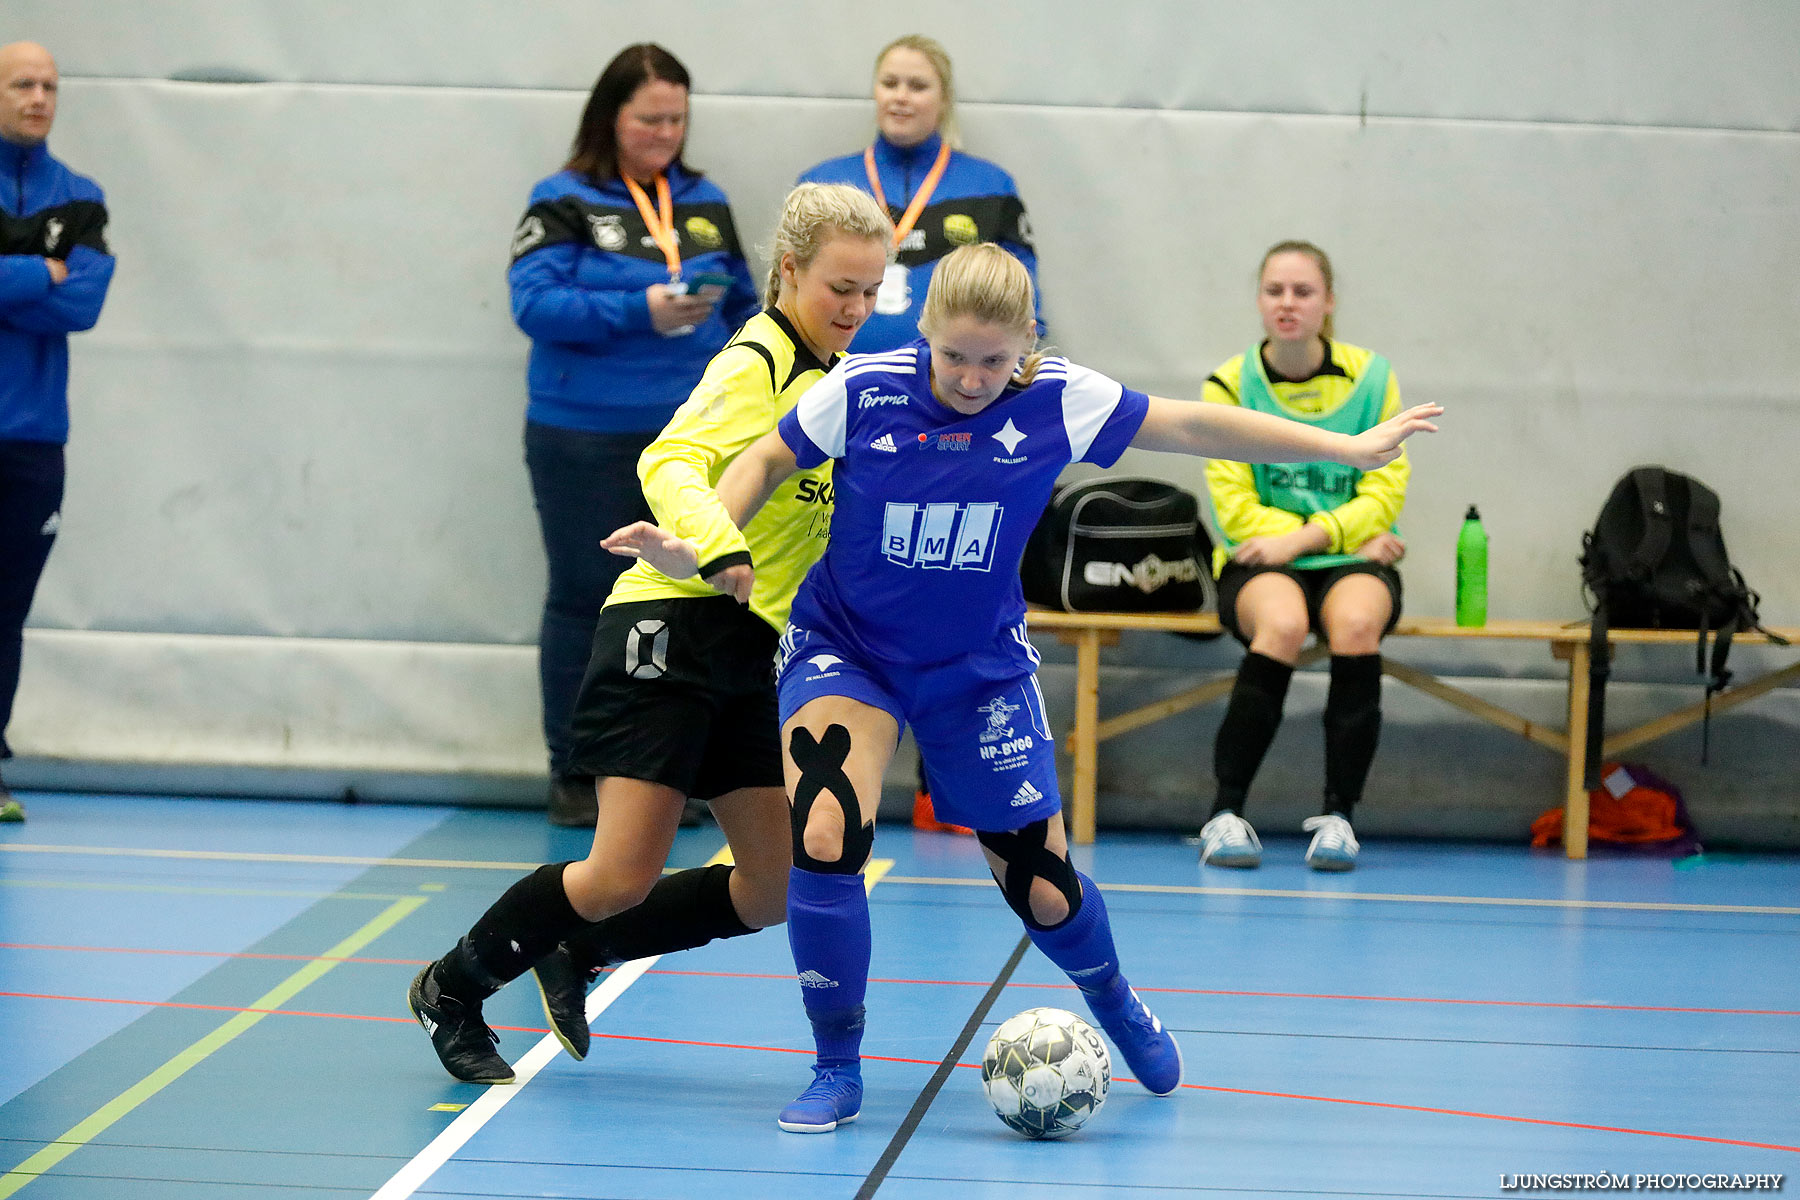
1088 632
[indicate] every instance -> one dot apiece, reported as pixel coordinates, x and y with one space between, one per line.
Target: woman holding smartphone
628 277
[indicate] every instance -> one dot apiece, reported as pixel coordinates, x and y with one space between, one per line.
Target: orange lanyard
661 229
920 198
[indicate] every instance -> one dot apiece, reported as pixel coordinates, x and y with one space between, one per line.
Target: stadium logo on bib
960 228
608 230
704 233
529 235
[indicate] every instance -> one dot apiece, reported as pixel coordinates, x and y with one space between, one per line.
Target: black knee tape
821 765
1027 857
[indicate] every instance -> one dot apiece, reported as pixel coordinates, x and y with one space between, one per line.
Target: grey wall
298 542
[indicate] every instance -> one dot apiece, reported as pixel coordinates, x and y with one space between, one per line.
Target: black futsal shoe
463 1041
10 808
564 988
573 802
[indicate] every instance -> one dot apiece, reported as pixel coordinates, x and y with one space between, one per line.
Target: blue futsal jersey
933 508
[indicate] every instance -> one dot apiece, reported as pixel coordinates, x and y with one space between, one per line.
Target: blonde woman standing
679 698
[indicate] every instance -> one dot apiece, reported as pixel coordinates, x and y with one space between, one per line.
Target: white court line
424 1165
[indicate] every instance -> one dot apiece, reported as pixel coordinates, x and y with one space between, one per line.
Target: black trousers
31 491
585 486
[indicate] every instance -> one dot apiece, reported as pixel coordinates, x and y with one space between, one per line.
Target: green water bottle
1471 571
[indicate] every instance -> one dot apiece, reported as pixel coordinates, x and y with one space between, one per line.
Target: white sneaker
1334 844
1228 841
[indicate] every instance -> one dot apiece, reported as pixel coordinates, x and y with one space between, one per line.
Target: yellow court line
1176 889
334 860
185 890
724 856
121 1105
872 874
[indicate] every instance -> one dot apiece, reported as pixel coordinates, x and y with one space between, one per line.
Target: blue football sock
1083 947
828 929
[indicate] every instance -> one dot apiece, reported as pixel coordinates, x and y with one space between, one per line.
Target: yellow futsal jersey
1380 493
747 387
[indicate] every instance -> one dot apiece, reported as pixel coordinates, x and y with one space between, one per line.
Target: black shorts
1314 583
681 693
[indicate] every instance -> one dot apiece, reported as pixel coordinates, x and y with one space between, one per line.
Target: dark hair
595 150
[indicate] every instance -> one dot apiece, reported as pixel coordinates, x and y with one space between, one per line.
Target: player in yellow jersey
679 698
1307 546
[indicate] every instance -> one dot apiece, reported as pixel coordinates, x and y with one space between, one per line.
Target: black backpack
1119 544
1655 559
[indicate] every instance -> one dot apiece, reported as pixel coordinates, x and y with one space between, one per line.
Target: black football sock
1251 718
684 910
1352 728
527 922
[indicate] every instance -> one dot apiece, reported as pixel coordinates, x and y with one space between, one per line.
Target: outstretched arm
744 488
754 475
1223 431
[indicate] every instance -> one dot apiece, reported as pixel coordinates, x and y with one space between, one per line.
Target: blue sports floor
207 999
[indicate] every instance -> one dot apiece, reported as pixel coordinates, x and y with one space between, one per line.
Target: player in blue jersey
946 451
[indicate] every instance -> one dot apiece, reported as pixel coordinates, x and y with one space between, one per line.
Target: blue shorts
979 723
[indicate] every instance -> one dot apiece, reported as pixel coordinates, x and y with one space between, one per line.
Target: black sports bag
1656 559
1119 544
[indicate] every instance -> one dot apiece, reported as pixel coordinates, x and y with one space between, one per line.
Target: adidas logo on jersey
1026 795
885 442
812 979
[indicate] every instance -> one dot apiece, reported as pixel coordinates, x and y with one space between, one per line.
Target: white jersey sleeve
1100 415
814 428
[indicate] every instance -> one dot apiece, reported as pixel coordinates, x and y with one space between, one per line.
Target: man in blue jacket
54 271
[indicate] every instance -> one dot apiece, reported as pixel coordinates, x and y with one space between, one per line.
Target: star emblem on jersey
1009 436
885 442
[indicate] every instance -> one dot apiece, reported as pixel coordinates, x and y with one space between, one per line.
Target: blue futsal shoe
834 1099
1149 1049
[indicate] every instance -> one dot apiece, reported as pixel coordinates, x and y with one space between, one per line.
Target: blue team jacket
975 201
46 211
581 259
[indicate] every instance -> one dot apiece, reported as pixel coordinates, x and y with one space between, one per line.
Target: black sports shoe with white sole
564 987
463 1041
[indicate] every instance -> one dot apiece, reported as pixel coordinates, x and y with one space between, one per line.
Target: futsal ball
1046 1072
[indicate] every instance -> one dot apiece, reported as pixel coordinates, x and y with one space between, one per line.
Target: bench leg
1575 797
1085 736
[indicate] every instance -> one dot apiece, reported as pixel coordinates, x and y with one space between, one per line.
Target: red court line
1457 1112
1201 1087
419 962
1169 991
396 962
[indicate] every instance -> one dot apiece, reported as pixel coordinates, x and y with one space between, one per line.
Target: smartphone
711 284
